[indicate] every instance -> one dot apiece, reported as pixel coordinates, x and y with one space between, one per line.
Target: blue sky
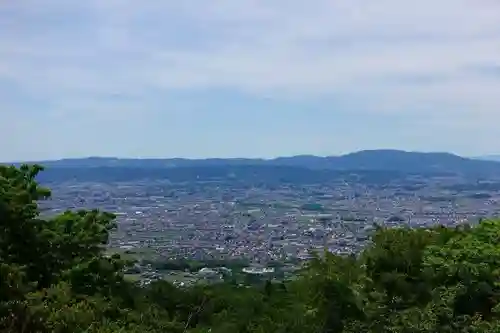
225 78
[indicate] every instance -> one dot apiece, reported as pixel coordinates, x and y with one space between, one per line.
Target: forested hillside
55 276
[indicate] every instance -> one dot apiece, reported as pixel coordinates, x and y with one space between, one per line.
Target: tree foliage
55 276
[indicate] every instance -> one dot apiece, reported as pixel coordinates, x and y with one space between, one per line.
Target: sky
247 78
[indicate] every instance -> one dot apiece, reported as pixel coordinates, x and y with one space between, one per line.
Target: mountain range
392 161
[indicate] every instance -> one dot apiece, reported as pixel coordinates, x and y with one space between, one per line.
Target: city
233 220
249 166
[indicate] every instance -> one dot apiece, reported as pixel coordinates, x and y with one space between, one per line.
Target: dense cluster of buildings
234 220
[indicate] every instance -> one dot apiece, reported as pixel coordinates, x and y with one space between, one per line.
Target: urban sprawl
287 223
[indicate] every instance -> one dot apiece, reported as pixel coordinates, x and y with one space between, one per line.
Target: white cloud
275 47
384 56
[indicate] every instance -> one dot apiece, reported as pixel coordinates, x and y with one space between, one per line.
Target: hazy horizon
492 156
247 78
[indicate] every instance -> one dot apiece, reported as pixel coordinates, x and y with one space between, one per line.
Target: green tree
51 263
55 276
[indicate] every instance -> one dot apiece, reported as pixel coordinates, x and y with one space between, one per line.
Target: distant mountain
365 160
368 160
100 162
414 162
